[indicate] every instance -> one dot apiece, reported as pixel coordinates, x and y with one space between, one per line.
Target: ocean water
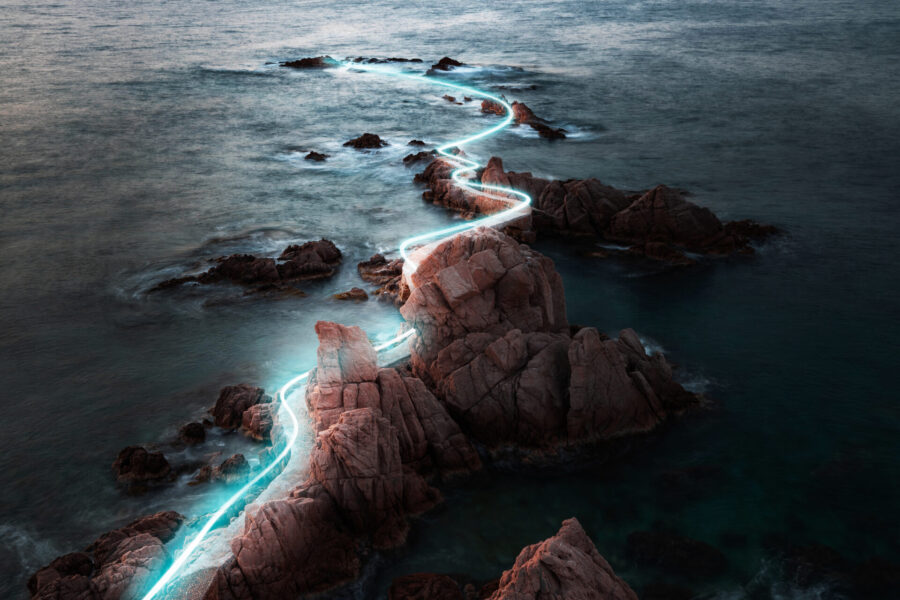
140 139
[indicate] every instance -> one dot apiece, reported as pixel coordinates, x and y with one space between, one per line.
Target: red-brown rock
366 141
233 401
356 294
566 566
135 464
445 64
258 420
387 275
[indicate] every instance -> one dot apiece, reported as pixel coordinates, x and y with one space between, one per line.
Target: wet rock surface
524 116
313 62
366 141
316 156
298 262
136 465
660 224
355 294
445 64
116 565
388 275
233 401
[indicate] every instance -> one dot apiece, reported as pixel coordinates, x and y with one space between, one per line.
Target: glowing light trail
410 266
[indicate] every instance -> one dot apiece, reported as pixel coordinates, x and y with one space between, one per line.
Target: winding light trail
467 166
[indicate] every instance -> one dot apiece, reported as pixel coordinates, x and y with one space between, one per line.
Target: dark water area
139 140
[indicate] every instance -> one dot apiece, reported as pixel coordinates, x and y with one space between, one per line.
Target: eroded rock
366 141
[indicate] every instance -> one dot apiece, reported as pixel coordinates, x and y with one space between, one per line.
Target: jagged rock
366 140
494 344
356 294
445 64
388 275
258 421
192 434
115 567
317 62
233 401
425 586
135 465
566 566
676 553
232 469
316 156
347 378
524 116
312 260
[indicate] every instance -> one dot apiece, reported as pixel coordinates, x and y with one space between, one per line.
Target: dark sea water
141 138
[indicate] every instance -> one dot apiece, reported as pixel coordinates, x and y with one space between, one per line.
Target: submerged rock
565 566
315 62
192 433
373 61
316 156
416 143
366 140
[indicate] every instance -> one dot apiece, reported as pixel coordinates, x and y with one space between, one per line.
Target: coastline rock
445 64
388 275
232 469
524 116
566 566
313 62
192 434
116 565
298 262
316 156
136 465
411 159
416 143
365 141
659 224
233 401
258 421
374 61
494 345
356 294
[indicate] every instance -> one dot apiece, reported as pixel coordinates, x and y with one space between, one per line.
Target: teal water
140 139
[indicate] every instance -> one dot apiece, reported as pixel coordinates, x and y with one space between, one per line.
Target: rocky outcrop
115 567
135 465
298 262
566 566
376 61
315 62
233 401
660 224
356 294
493 343
388 275
445 64
258 421
316 156
412 159
192 434
415 143
524 116
366 141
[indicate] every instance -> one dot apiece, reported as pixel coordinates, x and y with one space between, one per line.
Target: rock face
233 401
299 262
137 465
660 224
365 141
493 342
379 434
388 275
316 62
258 421
566 566
114 567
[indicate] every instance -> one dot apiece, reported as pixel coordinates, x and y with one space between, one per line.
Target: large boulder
137 465
493 342
566 566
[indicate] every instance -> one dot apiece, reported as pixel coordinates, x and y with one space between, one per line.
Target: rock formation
566 566
356 294
316 62
316 156
136 465
493 343
524 116
445 64
233 401
388 275
114 567
298 262
366 141
660 224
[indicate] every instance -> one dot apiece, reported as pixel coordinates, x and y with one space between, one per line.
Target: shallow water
141 140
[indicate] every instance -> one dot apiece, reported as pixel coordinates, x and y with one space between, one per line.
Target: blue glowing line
466 166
